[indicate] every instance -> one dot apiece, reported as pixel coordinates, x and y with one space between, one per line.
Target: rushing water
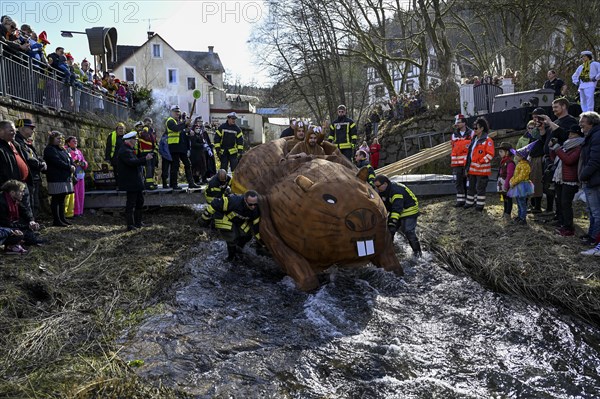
244 331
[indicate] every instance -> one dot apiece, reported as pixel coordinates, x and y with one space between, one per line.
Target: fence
26 79
484 97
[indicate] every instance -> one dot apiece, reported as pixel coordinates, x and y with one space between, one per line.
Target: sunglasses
251 205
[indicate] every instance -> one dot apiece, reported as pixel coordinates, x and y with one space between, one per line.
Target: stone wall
91 130
392 136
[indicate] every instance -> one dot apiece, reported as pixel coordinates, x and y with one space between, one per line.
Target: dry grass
529 261
63 305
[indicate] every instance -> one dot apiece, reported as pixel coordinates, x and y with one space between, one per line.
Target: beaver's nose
361 220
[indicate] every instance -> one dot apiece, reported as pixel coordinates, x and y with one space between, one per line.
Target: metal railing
26 79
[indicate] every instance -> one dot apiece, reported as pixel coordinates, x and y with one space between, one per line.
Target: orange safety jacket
481 154
460 148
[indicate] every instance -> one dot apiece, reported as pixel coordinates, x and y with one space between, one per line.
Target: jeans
522 207
592 197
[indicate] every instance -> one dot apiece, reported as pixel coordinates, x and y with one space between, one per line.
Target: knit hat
505 146
575 128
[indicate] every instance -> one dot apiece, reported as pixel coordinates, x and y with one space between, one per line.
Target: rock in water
316 212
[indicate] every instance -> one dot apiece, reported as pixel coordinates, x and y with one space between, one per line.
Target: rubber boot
231 251
61 215
190 179
137 218
56 216
416 248
130 221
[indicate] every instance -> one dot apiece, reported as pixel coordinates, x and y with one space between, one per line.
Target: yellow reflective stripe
257 236
397 196
225 203
394 215
113 141
344 146
208 199
256 221
413 210
172 136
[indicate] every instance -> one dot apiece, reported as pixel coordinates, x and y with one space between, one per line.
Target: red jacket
570 161
460 148
480 156
374 150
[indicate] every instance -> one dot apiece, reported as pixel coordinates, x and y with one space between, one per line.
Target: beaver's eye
330 199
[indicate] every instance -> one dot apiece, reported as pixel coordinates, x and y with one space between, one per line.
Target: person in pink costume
81 166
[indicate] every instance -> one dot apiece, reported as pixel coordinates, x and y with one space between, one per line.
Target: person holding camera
536 159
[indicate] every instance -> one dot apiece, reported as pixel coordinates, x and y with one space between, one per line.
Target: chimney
150 34
211 48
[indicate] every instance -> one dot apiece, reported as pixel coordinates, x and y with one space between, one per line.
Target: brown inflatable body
316 213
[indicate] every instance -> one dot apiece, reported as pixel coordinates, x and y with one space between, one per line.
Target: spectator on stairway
59 176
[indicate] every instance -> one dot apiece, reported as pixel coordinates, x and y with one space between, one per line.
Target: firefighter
478 165
361 160
178 147
229 142
237 217
218 186
460 140
403 210
147 145
113 143
342 132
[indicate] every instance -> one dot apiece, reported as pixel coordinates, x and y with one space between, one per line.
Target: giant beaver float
316 212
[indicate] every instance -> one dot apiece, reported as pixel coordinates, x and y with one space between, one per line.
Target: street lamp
68 33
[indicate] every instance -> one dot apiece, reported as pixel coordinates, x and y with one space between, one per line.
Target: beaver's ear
363 173
303 182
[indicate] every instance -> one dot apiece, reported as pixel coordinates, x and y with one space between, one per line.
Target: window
211 98
191 82
209 78
172 76
379 91
156 51
410 85
130 74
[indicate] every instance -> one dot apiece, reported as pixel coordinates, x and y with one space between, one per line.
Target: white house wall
152 72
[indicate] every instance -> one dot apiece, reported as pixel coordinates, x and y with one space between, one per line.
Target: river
244 331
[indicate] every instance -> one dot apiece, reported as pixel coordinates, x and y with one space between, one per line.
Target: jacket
34 162
522 171
25 215
506 172
176 137
570 162
460 148
8 164
214 189
130 176
163 148
113 143
59 164
480 155
342 132
232 210
590 158
146 141
400 202
374 151
230 139
594 73
371 175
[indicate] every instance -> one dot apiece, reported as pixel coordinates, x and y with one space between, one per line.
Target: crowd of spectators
487 78
61 82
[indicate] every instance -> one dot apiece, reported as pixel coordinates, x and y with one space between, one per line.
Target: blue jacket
163 148
590 158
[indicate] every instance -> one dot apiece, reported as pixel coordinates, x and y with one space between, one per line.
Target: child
505 173
520 185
